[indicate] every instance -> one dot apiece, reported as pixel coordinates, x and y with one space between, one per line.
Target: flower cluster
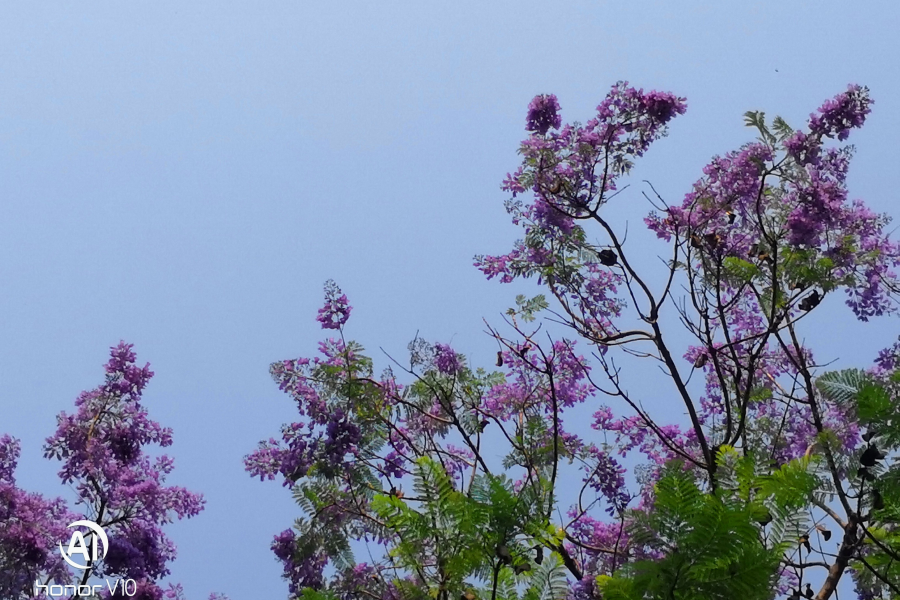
300 571
446 360
543 114
844 112
336 310
30 528
123 489
775 210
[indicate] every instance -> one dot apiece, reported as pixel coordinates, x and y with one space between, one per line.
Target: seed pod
701 360
695 241
826 533
607 257
713 240
811 301
539 554
865 474
499 358
731 217
871 455
808 592
503 554
804 539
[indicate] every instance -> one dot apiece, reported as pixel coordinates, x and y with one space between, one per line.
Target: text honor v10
91 547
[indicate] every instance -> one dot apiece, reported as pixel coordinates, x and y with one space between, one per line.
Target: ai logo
77 545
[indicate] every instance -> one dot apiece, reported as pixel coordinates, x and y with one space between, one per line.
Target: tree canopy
542 476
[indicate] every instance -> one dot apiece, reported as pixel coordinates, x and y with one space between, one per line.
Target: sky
185 177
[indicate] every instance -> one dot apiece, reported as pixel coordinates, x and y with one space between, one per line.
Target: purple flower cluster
844 112
446 361
336 310
543 114
118 486
302 568
608 478
30 528
123 489
752 196
572 172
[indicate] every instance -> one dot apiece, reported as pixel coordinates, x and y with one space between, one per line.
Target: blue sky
185 176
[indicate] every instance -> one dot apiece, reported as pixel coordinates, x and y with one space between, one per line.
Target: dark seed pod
607 257
804 539
826 533
695 241
865 474
811 301
701 361
713 240
808 592
503 554
871 455
538 554
867 436
877 499
499 358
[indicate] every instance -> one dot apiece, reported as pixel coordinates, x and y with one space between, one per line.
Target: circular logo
77 545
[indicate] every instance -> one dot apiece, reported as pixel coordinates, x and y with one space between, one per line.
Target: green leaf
841 386
739 269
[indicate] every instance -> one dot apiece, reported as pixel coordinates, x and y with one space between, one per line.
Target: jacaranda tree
117 485
780 480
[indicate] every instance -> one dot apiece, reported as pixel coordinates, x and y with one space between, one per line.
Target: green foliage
805 268
757 119
738 270
841 386
527 307
311 594
709 543
874 401
548 582
468 537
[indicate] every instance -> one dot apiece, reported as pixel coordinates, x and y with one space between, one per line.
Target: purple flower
842 113
302 569
543 114
123 489
336 310
662 106
446 360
